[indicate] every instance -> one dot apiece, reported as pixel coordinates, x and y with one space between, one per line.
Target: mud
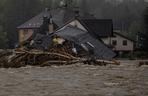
76 80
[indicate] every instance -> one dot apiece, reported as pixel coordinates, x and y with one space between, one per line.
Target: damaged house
67 31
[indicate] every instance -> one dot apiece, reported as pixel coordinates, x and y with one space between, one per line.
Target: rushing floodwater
75 80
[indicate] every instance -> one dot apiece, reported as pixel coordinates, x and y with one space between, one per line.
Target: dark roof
125 35
100 27
80 37
70 33
60 17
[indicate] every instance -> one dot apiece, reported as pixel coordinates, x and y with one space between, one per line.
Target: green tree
47 3
144 35
2 5
3 38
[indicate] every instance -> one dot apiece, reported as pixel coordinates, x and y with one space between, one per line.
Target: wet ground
76 80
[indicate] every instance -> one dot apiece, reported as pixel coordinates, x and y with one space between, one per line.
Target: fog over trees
127 15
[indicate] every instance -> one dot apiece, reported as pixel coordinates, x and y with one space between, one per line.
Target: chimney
51 27
45 18
76 11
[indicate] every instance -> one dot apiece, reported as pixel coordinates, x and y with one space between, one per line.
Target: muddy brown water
75 80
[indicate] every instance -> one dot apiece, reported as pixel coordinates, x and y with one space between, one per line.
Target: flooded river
76 80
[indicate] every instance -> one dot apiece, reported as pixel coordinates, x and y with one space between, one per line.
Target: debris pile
21 58
67 46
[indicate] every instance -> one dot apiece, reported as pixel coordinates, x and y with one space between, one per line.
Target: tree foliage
144 34
3 38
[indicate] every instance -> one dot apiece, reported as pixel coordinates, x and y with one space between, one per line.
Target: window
114 42
125 42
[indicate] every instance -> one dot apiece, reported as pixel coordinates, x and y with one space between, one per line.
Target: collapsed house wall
78 37
82 37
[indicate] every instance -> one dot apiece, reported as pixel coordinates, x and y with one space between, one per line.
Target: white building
120 42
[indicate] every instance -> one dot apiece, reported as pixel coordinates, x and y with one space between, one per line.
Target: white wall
78 24
106 40
119 46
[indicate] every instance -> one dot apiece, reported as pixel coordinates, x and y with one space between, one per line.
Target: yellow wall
25 34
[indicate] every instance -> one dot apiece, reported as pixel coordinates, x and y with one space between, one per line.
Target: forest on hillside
127 15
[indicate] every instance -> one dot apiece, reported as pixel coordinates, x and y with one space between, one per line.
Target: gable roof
78 36
124 35
100 27
62 16
59 15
